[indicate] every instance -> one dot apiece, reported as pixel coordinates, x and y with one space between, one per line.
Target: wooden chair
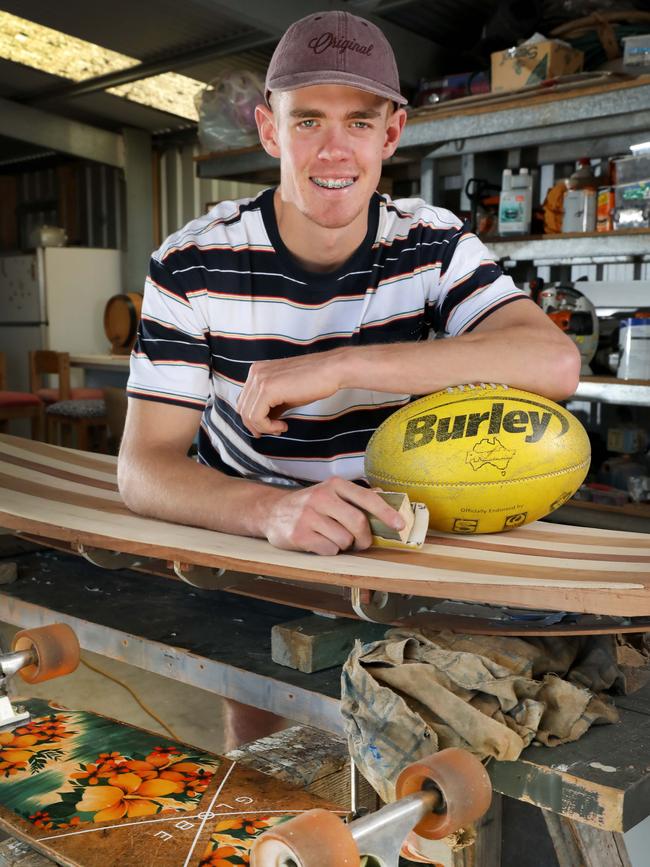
45 361
19 404
68 411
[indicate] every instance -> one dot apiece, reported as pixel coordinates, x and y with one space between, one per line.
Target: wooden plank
314 760
16 853
602 779
314 643
480 104
577 843
70 496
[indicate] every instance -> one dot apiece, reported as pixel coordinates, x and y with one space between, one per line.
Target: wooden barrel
121 317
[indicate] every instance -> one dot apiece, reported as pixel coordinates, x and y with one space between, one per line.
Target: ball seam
477 484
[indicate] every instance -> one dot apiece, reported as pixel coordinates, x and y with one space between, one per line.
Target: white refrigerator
54 298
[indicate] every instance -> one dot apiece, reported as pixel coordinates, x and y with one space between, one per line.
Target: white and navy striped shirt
224 292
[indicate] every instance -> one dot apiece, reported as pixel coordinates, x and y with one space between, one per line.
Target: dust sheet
415 693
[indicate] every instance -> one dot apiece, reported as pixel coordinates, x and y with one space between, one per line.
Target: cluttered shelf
636 510
633 517
530 115
595 246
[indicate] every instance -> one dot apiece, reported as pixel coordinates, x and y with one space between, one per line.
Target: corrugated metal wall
86 199
183 196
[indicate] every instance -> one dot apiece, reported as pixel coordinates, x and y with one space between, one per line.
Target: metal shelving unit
608 389
596 248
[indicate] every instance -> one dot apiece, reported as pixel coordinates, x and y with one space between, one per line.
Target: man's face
331 140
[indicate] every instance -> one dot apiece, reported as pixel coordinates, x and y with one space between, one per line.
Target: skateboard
69 499
88 791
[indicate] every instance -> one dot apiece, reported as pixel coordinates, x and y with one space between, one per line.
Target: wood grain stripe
526 550
54 495
489 566
55 473
103 463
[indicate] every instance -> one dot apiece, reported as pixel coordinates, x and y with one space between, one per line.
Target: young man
286 328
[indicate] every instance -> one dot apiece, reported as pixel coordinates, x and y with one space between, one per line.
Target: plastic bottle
515 202
580 200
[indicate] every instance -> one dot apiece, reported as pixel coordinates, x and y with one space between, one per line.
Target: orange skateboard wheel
56 649
311 838
463 783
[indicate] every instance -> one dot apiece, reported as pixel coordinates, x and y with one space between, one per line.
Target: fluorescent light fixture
57 53
640 148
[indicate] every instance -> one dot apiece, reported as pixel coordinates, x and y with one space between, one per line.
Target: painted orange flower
46 729
90 775
160 756
127 795
15 751
218 858
74 822
41 818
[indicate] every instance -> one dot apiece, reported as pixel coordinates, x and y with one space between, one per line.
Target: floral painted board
92 792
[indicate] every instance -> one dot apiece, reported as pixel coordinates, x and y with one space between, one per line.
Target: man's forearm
551 366
174 488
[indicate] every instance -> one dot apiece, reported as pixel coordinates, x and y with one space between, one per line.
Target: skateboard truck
37 654
107 559
10 664
380 607
436 796
203 577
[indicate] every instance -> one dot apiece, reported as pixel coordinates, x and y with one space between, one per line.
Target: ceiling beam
149 68
56 133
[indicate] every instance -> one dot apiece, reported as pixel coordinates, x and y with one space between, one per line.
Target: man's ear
265 120
394 127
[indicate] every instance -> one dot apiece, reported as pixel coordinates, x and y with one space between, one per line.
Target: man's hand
327 518
275 386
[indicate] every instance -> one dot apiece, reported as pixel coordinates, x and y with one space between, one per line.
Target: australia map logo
490 452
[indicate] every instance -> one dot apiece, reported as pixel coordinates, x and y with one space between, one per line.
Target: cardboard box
533 63
636 56
604 209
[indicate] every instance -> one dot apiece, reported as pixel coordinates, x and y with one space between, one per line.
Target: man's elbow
566 364
127 484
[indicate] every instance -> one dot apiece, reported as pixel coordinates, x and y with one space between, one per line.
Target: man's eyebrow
360 114
306 112
365 114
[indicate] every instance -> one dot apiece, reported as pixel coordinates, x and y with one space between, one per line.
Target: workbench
590 791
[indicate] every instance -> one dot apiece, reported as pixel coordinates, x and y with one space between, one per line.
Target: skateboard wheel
56 649
311 838
463 783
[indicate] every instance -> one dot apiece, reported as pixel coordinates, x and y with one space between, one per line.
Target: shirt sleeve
471 285
170 362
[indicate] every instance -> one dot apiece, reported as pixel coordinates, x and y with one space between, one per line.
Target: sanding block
416 523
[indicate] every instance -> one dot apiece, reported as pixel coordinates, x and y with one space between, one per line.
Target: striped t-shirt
224 292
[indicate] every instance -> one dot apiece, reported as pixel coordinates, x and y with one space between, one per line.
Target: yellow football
483 458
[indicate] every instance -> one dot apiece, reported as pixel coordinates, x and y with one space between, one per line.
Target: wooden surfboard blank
72 496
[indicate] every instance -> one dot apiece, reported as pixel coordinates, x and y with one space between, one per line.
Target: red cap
335 48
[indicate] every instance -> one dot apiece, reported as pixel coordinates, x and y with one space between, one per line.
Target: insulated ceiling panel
144 29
